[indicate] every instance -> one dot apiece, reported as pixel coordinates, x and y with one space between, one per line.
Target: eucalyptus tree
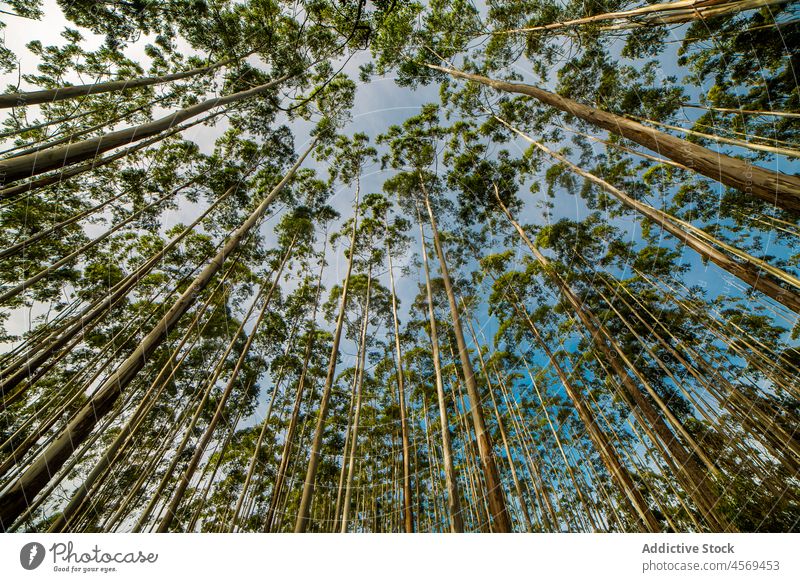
350 157
413 148
370 300
294 232
397 241
634 375
104 398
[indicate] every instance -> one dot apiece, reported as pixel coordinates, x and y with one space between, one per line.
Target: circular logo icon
31 555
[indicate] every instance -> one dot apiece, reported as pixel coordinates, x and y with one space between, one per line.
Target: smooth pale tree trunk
476 488
500 425
210 479
782 190
497 504
288 440
665 12
303 512
40 353
70 92
691 14
585 500
64 174
694 478
717 385
788 152
432 493
751 271
451 478
36 476
200 448
743 111
262 433
362 356
408 500
337 512
59 157
42 144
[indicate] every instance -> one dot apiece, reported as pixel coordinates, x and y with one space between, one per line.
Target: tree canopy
382 266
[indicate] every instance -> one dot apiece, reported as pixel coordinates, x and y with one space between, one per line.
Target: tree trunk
679 11
59 157
743 111
61 176
70 92
517 487
303 513
497 504
788 152
337 512
408 501
451 479
288 440
13 501
782 190
619 473
124 438
362 348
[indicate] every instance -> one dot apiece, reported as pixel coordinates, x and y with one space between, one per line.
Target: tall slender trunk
476 487
497 503
79 325
362 356
199 450
661 13
695 479
782 190
70 92
303 512
408 501
63 174
59 157
337 512
41 143
288 440
451 479
743 111
220 452
189 428
781 151
13 501
751 271
500 425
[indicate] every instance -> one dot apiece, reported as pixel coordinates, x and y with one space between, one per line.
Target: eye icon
31 555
